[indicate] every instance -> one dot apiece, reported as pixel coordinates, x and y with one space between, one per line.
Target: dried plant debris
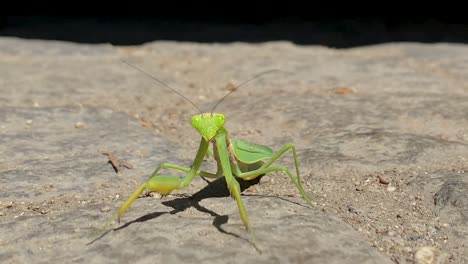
116 162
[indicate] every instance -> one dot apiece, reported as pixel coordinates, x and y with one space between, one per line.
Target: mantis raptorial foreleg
232 183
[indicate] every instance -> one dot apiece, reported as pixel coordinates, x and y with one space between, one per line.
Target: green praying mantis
235 159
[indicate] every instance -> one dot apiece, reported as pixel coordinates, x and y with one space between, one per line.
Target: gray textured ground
395 112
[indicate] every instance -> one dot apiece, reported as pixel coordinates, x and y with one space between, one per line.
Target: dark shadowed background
338 32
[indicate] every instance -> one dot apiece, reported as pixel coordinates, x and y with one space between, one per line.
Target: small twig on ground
116 162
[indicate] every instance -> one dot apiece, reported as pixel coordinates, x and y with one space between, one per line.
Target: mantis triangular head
208 124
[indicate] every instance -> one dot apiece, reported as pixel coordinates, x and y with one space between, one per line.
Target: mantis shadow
140 219
215 189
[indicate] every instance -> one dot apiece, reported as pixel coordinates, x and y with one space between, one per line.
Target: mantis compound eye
219 120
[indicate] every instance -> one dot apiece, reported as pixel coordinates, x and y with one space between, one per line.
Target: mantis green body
235 159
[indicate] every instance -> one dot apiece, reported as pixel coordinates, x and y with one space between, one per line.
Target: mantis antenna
237 87
160 82
175 91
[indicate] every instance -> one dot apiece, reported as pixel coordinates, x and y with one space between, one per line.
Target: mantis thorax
208 124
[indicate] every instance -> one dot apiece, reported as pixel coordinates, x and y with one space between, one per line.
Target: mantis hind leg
266 167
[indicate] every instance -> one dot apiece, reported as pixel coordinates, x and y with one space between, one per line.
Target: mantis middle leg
266 167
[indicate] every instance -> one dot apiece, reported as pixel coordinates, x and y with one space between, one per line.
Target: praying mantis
235 159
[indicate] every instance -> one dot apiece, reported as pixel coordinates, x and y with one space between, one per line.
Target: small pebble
343 90
79 124
2 213
250 189
353 210
105 209
231 87
43 211
155 195
431 230
383 180
265 179
29 122
21 214
429 255
391 188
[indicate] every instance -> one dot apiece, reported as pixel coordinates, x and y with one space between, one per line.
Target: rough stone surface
396 111
190 231
49 156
